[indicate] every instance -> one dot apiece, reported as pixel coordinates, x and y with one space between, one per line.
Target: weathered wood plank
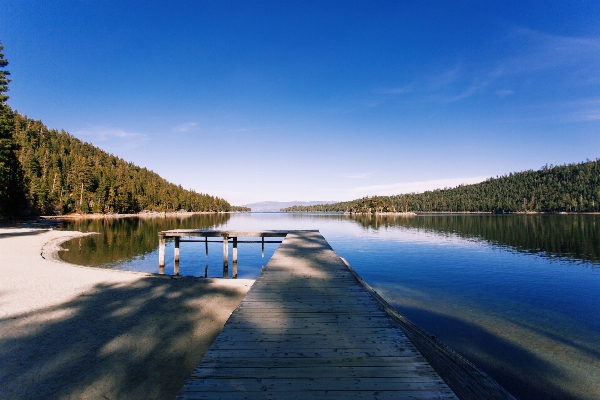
317 395
310 332
323 344
306 309
421 370
312 340
319 352
340 293
323 313
250 385
294 325
310 359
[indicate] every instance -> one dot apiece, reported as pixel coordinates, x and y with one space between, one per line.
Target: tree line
563 188
575 236
44 171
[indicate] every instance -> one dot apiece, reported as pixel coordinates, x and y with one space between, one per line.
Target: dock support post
206 245
176 256
263 247
235 258
225 256
235 250
161 253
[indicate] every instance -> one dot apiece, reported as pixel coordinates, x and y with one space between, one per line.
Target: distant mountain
275 206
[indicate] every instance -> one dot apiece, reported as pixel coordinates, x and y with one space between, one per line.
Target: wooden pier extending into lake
177 234
311 328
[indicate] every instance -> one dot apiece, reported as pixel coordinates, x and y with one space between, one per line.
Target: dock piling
235 257
225 255
225 251
235 254
161 253
176 256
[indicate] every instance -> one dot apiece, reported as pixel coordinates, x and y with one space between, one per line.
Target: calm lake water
518 295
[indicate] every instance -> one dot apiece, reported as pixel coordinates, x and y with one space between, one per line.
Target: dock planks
308 329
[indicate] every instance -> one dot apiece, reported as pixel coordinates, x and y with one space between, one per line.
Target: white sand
77 332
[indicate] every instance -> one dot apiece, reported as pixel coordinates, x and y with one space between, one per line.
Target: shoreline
136 215
73 331
414 213
47 220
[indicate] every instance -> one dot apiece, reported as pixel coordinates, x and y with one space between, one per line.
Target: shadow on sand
134 341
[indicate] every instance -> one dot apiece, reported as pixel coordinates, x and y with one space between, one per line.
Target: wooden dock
308 329
225 236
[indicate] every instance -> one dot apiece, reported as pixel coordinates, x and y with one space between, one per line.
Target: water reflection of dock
310 328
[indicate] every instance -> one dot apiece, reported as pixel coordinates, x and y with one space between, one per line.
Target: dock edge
466 380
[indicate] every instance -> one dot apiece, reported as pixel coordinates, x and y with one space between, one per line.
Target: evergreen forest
44 171
564 188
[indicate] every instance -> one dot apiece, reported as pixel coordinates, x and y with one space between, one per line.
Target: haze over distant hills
274 206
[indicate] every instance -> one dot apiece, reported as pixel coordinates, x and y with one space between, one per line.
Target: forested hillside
45 171
61 174
571 188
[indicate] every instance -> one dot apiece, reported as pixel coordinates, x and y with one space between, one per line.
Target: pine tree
4 80
12 193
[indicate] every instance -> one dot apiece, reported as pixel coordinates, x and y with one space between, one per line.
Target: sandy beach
74 332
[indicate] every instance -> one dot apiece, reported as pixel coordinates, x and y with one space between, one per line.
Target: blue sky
329 100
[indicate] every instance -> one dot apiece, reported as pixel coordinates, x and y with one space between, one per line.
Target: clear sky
313 100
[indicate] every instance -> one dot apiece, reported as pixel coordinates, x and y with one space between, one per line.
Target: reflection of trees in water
122 238
573 236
